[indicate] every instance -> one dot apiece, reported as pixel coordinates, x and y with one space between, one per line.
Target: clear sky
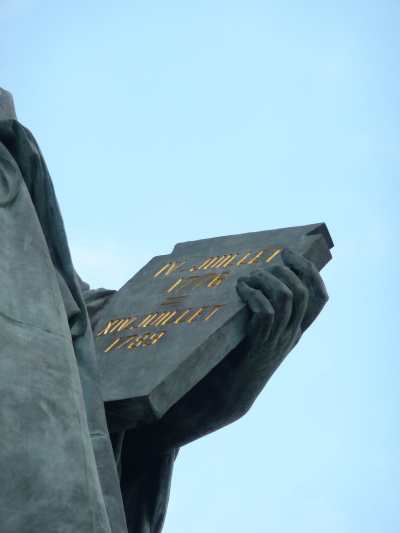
168 121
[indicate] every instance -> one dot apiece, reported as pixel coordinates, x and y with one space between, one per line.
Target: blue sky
170 121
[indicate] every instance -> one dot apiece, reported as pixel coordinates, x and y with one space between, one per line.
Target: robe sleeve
95 299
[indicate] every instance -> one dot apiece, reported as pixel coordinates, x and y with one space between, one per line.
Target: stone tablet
180 315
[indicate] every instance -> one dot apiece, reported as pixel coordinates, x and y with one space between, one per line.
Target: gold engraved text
278 251
117 325
214 310
147 320
192 282
197 313
163 318
179 320
169 268
217 261
135 341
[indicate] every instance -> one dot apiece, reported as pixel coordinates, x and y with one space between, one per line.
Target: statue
70 462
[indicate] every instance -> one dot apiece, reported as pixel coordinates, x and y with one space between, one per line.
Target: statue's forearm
222 397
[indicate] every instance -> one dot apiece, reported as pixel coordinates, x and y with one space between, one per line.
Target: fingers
279 296
263 313
285 299
300 296
308 274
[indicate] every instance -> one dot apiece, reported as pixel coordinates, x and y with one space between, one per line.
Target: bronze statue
63 469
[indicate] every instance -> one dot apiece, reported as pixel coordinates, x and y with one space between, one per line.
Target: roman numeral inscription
175 295
220 261
156 319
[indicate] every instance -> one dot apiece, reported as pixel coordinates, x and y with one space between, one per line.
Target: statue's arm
197 416
222 397
211 404
95 299
284 301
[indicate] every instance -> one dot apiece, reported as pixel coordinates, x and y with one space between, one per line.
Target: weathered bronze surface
101 388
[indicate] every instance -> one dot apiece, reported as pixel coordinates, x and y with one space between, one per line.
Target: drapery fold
75 406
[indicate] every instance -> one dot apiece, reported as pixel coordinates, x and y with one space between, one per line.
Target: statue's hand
284 301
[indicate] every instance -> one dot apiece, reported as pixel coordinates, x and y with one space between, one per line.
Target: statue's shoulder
7 108
9 172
